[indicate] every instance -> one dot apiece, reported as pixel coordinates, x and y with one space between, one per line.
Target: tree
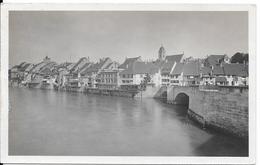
145 81
239 58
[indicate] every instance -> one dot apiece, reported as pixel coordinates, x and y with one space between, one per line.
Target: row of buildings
167 70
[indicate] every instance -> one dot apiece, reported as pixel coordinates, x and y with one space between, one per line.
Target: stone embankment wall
150 92
160 93
225 109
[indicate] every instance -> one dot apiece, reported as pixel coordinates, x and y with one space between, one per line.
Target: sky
66 36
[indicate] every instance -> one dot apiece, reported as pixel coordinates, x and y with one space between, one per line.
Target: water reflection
57 123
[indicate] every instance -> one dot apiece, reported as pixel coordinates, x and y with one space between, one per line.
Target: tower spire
161 53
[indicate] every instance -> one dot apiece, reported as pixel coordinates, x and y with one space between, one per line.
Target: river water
45 122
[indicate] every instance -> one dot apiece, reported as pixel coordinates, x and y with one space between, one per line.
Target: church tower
161 54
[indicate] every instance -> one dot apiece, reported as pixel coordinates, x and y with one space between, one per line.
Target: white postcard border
5 158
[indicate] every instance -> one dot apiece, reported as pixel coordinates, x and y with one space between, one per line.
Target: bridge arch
182 99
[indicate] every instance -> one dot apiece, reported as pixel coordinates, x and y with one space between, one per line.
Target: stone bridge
223 108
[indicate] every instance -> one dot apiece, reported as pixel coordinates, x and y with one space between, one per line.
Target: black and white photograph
134 83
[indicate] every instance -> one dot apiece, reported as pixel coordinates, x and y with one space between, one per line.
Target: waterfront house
18 73
166 70
191 73
167 63
136 73
206 77
90 74
218 75
176 75
236 74
216 60
125 76
62 70
37 73
74 79
129 61
109 77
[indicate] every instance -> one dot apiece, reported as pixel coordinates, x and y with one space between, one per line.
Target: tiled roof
105 61
218 70
236 69
129 61
97 66
108 65
214 59
23 66
174 58
64 65
113 65
141 68
205 70
49 66
84 67
167 67
46 71
70 66
82 61
191 69
92 68
178 69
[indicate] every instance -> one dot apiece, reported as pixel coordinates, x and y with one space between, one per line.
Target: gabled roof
205 70
97 66
64 65
78 66
106 61
236 69
167 67
108 66
49 66
141 68
174 58
218 70
46 71
36 68
92 68
178 69
214 59
191 69
129 61
70 66
84 67
113 65
27 65
23 66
